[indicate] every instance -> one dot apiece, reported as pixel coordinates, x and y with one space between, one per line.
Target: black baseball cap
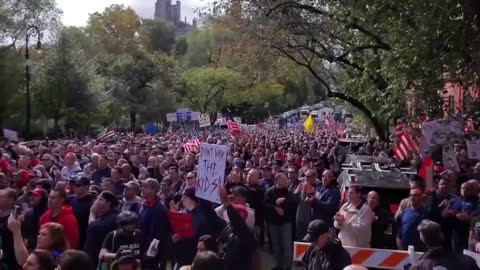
80 180
315 229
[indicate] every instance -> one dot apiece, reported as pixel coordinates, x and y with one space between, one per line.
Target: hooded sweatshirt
69 222
31 222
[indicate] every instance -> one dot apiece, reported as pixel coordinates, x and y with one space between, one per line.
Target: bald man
355 267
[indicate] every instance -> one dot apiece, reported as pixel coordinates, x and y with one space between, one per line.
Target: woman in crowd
51 237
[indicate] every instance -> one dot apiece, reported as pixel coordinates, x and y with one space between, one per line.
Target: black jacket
271 196
379 226
31 222
440 257
237 243
332 257
255 199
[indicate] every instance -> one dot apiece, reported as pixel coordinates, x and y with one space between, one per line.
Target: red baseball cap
38 192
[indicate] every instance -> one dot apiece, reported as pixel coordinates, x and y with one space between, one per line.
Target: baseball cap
38 192
152 183
315 229
132 184
82 180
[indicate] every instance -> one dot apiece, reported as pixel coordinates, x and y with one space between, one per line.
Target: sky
75 13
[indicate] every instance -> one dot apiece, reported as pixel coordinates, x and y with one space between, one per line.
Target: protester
74 260
60 213
354 220
153 222
237 241
131 201
280 204
102 220
381 222
39 260
436 257
326 201
81 202
410 219
51 237
31 218
326 252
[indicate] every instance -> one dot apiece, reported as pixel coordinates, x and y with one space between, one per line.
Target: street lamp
32 31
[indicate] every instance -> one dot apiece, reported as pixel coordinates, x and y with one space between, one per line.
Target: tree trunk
133 120
380 127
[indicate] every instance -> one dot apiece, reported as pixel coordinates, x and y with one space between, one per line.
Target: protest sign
473 147
204 120
440 132
10 134
449 159
211 171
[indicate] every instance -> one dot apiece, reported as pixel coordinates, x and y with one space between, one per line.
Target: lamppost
32 31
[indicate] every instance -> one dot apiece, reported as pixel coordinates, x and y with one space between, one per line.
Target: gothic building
165 11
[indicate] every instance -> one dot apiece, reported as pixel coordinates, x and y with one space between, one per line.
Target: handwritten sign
204 120
10 134
211 171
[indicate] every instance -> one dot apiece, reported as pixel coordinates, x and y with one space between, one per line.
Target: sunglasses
191 177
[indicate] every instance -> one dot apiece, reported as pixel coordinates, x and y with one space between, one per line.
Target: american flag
192 146
105 134
400 129
406 145
234 128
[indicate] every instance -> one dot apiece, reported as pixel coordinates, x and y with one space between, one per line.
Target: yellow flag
308 124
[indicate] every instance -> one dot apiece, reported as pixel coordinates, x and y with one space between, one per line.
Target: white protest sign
204 120
211 171
449 159
10 134
473 147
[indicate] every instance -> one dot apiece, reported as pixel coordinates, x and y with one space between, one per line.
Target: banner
204 120
449 159
10 134
440 132
211 171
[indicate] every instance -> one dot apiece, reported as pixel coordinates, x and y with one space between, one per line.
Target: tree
206 88
158 36
370 53
11 79
136 78
63 85
17 15
116 30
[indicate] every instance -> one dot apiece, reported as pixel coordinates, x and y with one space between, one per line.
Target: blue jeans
282 245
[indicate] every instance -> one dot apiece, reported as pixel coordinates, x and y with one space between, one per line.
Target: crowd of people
87 204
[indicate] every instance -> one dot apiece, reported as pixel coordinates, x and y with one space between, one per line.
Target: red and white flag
406 145
400 129
234 128
192 146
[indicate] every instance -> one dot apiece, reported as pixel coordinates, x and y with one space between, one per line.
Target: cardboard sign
10 134
473 147
211 171
204 120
